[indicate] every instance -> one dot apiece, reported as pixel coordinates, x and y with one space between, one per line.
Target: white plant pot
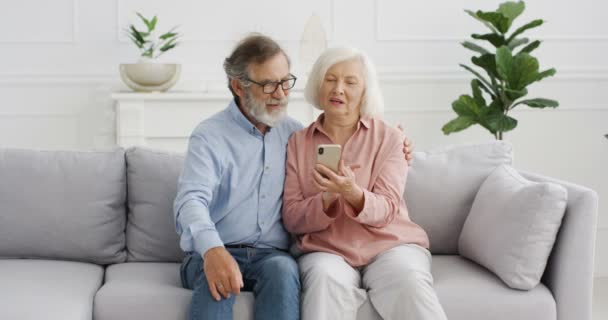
150 76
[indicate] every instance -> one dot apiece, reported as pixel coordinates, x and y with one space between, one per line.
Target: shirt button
263 197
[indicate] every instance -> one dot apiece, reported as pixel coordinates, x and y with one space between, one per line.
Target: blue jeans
271 274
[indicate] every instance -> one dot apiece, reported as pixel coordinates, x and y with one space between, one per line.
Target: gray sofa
91 235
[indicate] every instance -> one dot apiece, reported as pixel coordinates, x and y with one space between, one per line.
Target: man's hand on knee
222 273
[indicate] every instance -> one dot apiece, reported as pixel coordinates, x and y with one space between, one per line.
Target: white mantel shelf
166 120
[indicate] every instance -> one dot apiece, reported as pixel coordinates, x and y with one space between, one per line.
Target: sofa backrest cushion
152 185
67 205
442 185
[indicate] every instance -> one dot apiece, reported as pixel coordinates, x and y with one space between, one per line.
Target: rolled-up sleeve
200 176
383 201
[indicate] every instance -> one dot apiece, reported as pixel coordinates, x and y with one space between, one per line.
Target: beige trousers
398 283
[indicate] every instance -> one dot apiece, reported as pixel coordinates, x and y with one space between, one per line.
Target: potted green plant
509 71
149 74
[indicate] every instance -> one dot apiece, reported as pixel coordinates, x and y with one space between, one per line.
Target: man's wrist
213 249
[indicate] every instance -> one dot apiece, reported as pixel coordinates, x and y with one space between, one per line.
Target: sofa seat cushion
43 289
468 291
151 290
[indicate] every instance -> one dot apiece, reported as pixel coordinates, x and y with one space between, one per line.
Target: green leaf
529 48
487 24
511 10
486 89
504 62
167 35
497 19
539 103
495 108
152 24
474 47
515 94
524 71
148 53
529 25
479 77
457 124
466 106
146 22
137 43
168 47
496 40
475 87
488 63
547 73
517 42
501 123
137 35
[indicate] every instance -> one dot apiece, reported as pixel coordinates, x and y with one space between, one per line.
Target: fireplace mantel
165 120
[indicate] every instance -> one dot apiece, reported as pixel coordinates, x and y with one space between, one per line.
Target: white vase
150 76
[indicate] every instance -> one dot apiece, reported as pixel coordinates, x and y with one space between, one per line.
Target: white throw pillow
442 184
512 226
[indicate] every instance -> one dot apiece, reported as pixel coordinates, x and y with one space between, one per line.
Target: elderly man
228 204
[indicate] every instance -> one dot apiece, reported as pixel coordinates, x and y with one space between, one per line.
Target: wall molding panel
41 22
220 19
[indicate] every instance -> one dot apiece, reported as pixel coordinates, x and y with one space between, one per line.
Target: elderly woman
353 225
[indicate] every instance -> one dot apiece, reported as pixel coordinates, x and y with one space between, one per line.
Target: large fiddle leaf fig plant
509 70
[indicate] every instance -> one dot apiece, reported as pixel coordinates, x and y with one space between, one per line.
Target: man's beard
257 109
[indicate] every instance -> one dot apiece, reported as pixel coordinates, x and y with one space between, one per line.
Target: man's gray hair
255 48
372 103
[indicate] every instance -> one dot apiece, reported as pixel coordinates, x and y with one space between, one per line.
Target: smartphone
329 155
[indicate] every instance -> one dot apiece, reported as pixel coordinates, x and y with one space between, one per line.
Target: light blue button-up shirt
231 187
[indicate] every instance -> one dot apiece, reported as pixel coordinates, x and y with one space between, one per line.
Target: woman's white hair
372 103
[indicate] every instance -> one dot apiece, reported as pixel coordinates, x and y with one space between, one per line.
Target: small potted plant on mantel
149 74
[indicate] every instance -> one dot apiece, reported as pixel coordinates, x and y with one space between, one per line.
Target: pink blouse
358 237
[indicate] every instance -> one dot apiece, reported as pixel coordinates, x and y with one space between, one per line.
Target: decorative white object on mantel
166 120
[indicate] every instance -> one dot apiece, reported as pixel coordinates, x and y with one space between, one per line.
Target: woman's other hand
342 183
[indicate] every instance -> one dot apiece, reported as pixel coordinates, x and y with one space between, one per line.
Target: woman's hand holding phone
342 182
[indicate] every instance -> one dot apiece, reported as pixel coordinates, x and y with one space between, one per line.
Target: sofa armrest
569 271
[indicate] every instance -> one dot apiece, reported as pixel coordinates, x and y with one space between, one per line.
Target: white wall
59 66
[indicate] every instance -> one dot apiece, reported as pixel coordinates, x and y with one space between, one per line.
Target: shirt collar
241 120
363 120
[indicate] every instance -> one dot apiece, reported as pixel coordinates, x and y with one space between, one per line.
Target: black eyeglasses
272 86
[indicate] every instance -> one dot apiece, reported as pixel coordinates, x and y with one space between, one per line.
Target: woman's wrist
328 198
355 197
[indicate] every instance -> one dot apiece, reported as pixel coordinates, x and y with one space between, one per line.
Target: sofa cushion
149 291
152 184
512 226
42 289
442 185
63 205
467 291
